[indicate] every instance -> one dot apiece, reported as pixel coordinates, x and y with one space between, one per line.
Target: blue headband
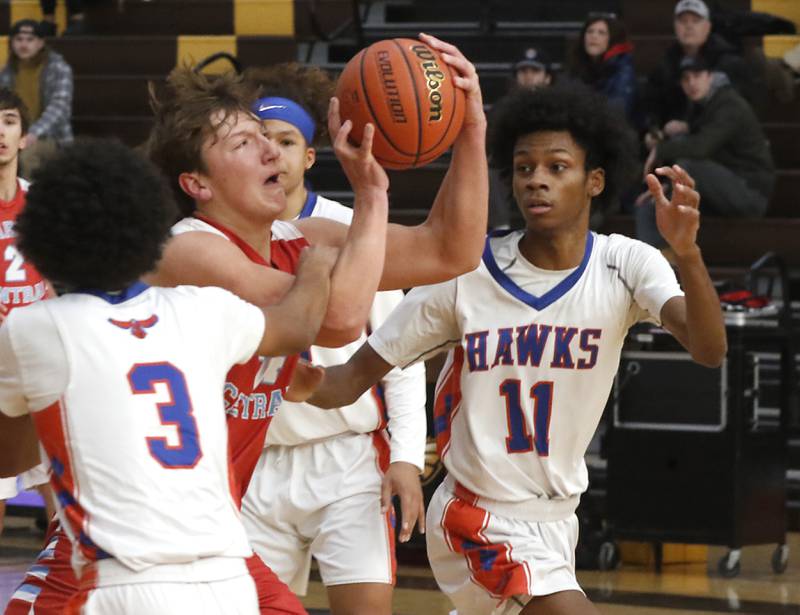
276 108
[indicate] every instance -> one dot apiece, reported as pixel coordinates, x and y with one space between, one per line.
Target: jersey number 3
177 411
519 439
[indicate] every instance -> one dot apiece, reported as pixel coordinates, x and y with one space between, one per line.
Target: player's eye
523 168
243 143
287 142
558 167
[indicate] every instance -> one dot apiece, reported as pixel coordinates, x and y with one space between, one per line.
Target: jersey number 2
177 411
519 439
15 272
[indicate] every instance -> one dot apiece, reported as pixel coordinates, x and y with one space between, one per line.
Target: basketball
406 90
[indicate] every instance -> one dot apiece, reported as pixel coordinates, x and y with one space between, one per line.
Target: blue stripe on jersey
26 592
308 207
552 295
137 288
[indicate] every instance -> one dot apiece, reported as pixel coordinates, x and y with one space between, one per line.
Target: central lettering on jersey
571 347
22 295
254 407
136 327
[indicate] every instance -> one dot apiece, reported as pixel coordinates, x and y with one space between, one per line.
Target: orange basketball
406 90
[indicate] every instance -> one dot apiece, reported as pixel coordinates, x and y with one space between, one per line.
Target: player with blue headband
358 513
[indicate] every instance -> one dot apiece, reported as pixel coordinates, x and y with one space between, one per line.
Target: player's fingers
683 176
463 67
440 45
366 140
334 119
421 518
656 191
340 143
409 511
667 172
687 196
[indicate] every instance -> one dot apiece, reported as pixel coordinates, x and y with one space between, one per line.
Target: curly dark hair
96 216
597 127
309 86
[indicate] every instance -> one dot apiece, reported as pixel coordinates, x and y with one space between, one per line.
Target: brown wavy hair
185 111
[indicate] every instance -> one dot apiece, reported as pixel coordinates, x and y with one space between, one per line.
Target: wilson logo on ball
390 87
434 78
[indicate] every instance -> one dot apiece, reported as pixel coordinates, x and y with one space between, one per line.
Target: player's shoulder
621 250
334 210
192 224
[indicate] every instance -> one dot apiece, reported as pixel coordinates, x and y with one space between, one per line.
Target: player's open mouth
272 179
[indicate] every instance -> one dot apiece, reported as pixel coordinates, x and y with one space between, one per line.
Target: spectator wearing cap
603 59
43 80
723 148
533 70
664 99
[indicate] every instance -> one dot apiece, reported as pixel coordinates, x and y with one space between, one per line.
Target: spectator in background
603 59
76 22
533 70
723 147
664 99
43 80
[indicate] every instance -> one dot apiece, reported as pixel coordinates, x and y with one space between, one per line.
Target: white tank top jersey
532 360
402 390
126 393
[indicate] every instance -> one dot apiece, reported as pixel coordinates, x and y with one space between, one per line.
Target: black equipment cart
698 455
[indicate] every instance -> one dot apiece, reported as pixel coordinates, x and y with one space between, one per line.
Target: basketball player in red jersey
224 172
21 283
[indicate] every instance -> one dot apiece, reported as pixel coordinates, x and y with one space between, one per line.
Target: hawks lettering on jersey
533 359
572 347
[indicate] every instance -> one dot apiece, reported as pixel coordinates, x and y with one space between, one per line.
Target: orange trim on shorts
380 440
87 583
490 564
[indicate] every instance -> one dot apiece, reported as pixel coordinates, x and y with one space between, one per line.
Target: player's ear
597 182
193 185
23 142
311 157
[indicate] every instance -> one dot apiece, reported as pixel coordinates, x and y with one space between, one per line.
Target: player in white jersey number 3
124 384
535 335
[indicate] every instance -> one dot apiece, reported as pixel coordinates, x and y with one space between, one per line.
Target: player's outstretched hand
402 479
678 218
359 165
466 78
306 379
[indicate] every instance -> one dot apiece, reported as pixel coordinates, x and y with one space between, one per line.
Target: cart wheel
780 559
607 556
728 565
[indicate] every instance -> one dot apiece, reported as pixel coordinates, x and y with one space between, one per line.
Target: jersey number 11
519 439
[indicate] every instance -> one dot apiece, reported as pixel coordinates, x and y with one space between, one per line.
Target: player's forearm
459 213
705 326
19 445
344 384
294 323
359 267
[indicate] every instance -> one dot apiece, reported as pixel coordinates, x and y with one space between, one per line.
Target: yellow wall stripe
193 49
265 17
30 9
790 9
776 46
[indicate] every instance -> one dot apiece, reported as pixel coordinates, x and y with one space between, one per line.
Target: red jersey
254 390
21 284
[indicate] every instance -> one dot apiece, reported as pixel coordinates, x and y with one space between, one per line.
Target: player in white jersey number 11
535 335
124 384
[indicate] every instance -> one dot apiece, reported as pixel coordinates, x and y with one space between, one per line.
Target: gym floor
692 589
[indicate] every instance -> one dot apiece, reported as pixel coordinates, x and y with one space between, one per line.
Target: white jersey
126 394
402 391
534 354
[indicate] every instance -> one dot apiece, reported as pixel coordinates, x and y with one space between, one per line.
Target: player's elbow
711 355
342 327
